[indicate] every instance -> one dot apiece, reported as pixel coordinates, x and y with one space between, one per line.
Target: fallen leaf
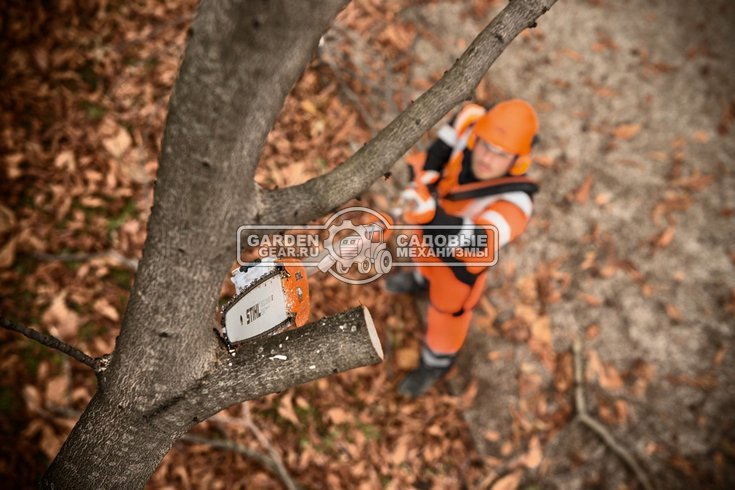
572 54
544 160
622 410
435 430
603 198
697 181
606 411
66 160
701 136
119 143
527 289
723 126
526 313
706 381
309 107
626 131
508 482
338 415
407 358
590 299
610 378
50 442
92 202
12 165
491 435
665 238
7 219
506 448
7 253
533 457
104 308
684 465
32 397
57 390
493 355
61 317
401 449
286 410
582 194
674 313
651 448
606 92
541 329
589 260
489 309
719 356
468 397
608 270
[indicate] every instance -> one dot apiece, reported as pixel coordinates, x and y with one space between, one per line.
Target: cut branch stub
267 365
331 345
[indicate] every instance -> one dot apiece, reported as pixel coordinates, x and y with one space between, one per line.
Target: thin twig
367 118
131 264
175 23
50 341
263 440
587 420
260 458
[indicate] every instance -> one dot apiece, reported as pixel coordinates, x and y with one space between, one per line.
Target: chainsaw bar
265 310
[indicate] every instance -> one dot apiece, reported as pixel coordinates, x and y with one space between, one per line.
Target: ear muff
521 165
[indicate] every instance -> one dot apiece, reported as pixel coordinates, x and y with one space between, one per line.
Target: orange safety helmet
512 126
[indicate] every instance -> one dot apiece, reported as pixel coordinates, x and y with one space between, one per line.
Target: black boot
405 282
418 381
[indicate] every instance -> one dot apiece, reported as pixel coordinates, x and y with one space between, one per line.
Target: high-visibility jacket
460 193
455 289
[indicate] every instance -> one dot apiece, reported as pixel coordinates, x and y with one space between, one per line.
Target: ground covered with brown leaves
85 89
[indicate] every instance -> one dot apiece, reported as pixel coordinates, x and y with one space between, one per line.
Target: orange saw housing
296 289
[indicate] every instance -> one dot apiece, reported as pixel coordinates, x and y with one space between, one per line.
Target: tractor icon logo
364 245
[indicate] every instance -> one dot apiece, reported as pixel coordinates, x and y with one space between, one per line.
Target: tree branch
51 341
322 194
587 420
260 458
114 255
281 470
273 364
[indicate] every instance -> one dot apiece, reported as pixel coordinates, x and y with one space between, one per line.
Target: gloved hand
428 177
417 200
418 204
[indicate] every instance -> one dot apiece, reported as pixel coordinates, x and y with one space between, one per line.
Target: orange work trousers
451 301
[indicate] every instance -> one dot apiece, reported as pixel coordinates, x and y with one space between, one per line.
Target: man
472 183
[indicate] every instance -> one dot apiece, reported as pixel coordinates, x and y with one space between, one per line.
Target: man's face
489 161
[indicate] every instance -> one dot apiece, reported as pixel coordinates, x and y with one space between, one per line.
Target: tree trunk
241 60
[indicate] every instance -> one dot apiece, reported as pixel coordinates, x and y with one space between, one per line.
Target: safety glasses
494 149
